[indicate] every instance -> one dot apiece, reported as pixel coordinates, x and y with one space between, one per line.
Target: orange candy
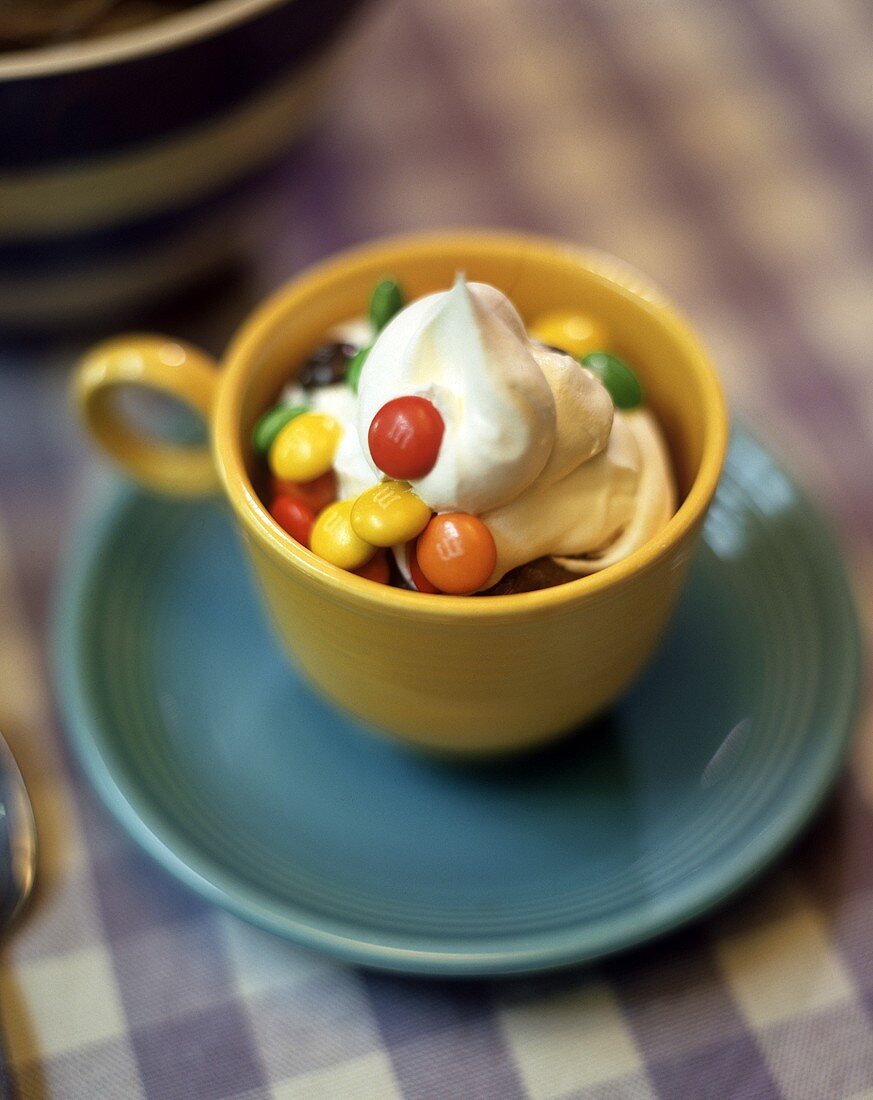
456 553
377 568
317 494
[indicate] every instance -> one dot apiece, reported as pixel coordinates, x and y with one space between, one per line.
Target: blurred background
725 147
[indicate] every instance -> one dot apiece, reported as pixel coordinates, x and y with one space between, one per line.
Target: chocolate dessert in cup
485 458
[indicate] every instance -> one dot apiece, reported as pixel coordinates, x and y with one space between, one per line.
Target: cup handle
164 365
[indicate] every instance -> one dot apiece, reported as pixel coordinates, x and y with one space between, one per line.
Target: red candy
405 437
418 578
295 517
377 568
317 494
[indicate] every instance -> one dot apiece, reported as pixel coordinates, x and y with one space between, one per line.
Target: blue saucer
226 766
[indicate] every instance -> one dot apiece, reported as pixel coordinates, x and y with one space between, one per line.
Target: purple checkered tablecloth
726 148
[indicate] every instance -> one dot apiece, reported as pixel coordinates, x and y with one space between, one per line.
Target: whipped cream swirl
532 442
467 351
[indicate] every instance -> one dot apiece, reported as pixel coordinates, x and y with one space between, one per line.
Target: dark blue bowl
128 164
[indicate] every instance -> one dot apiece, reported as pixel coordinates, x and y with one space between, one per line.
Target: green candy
356 365
387 299
271 423
621 382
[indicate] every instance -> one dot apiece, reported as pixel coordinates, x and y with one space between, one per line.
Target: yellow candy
334 540
389 513
576 333
305 448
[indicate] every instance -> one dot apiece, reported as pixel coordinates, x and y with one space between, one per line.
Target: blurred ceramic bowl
128 162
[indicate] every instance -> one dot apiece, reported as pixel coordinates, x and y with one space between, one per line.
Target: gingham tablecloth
726 148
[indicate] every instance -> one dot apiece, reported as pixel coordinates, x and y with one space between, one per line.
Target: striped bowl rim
166 33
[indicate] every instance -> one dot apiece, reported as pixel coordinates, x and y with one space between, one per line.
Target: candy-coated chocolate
334 539
271 423
405 437
326 366
576 333
356 365
387 299
376 569
317 494
304 449
389 513
418 578
623 385
293 516
456 553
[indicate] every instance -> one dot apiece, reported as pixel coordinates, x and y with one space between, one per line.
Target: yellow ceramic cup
445 673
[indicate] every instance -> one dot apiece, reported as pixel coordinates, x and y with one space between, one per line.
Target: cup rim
166 33
382 599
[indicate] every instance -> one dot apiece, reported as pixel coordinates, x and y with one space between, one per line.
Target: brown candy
326 366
